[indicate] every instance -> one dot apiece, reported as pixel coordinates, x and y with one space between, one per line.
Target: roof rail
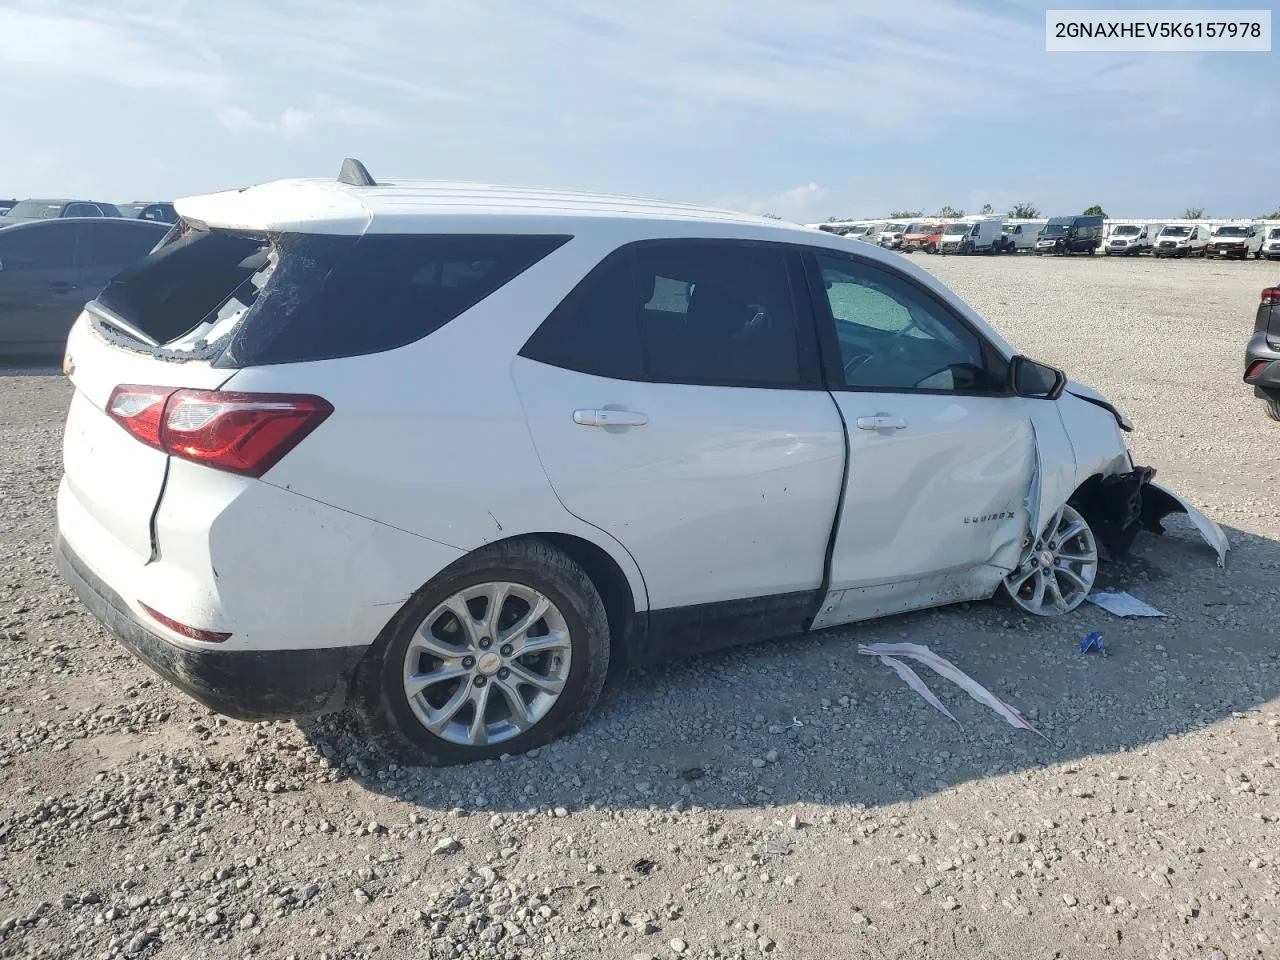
355 174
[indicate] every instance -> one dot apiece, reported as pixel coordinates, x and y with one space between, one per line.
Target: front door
675 401
940 455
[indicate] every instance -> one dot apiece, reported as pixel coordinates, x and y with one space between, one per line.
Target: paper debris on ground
1123 604
889 652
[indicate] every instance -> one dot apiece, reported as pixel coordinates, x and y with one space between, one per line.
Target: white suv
445 452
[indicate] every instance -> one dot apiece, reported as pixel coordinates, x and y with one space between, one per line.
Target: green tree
1193 213
951 212
1024 211
1096 211
772 216
905 214
1273 215
987 209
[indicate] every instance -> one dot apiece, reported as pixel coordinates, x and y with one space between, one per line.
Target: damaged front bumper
1119 506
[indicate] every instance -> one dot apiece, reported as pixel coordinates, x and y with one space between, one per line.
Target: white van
1235 240
1181 240
1271 243
892 234
972 236
1131 239
1023 235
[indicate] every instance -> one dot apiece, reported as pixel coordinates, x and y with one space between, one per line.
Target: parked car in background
953 236
159 212
666 465
922 236
1023 235
1064 235
1181 240
1234 240
50 268
1131 239
6 206
859 231
1262 355
52 209
1271 243
973 236
891 235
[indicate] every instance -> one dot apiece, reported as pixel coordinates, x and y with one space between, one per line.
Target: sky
804 109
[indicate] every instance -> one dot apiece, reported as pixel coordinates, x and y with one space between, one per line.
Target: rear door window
245 300
50 246
682 311
117 244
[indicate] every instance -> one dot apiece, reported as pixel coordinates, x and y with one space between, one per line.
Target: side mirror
1038 380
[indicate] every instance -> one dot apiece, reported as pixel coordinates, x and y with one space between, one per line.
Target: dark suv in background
1062 235
53 209
1262 356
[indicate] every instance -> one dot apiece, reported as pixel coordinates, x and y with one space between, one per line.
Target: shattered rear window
242 299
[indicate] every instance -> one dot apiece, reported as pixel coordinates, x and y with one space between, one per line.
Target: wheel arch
625 611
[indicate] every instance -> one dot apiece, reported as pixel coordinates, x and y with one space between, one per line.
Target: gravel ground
790 799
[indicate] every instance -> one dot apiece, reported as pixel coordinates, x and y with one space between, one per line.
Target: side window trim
833 373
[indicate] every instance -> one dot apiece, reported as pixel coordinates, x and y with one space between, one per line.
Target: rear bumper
1267 381
244 684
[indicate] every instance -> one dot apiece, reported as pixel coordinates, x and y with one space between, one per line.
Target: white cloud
798 203
45 44
291 123
297 122
332 110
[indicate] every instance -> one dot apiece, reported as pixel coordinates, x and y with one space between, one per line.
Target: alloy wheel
487 663
1057 569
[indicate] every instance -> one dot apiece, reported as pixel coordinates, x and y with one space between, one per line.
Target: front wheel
1058 568
504 651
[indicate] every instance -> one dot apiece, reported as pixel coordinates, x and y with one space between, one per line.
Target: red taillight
1271 295
245 433
1256 368
208 636
140 410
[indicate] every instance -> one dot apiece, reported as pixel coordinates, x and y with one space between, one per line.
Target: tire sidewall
379 686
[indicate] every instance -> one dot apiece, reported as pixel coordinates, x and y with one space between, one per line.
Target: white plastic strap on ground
944 668
919 686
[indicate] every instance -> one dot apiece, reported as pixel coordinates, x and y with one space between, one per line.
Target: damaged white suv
447 452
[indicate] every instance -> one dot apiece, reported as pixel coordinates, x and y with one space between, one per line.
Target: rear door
675 401
940 456
38 287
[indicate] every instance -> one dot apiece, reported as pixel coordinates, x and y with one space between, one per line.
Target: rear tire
1272 405
397 723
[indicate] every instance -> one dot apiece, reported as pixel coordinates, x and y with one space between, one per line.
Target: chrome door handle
610 418
881 422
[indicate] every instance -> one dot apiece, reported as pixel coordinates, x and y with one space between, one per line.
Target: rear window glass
35 209
245 300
